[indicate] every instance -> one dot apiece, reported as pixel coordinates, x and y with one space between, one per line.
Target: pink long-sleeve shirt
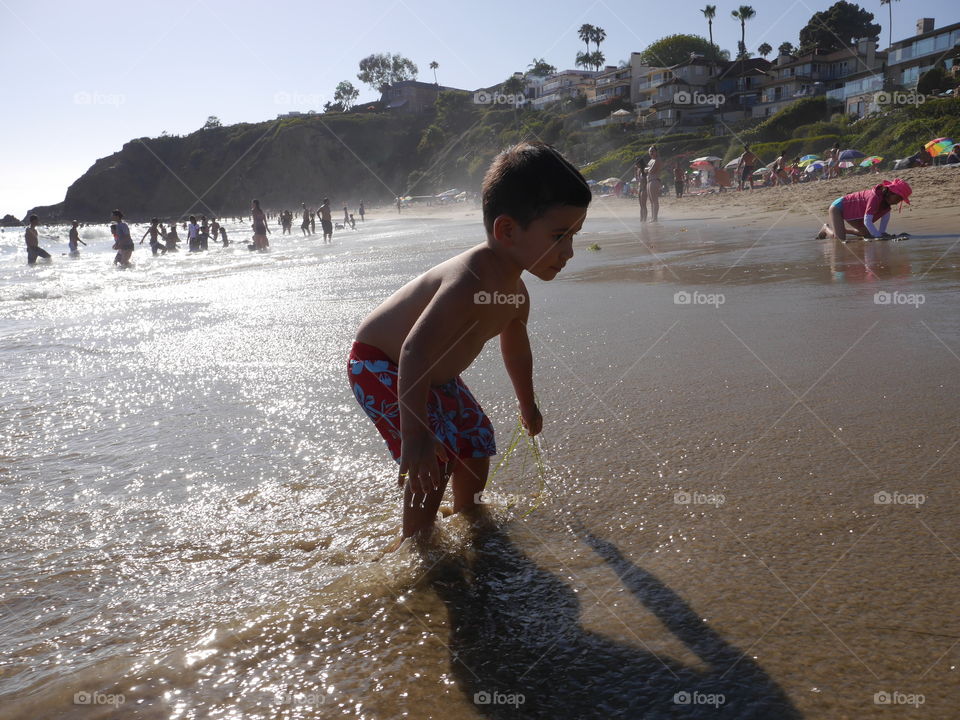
866 205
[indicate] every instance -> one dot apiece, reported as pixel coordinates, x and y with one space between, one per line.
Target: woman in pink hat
858 212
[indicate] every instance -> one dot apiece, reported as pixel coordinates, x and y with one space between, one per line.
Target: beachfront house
681 102
412 96
564 85
644 83
910 58
792 77
612 82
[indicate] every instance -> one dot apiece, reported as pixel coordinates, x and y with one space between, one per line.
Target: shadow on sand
515 630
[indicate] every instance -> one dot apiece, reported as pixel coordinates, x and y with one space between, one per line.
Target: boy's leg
419 511
469 478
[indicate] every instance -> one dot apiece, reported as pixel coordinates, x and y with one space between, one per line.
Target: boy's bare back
459 320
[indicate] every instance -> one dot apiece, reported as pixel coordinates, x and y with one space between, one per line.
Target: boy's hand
532 419
418 462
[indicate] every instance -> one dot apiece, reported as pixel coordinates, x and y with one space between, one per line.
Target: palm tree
765 50
743 13
889 4
585 33
598 36
433 66
584 60
710 12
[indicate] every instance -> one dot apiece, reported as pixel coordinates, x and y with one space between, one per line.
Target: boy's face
546 245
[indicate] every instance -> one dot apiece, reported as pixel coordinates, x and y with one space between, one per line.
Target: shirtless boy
32 239
325 220
404 367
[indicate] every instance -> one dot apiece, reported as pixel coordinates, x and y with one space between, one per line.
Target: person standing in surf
653 182
361 211
193 235
124 244
640 175
260 228
33 242
405 364
154 232
326 221
74 240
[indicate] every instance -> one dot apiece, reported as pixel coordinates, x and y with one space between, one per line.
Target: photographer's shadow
515 632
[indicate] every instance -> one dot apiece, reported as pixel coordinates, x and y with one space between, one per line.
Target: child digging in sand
404 367
860 210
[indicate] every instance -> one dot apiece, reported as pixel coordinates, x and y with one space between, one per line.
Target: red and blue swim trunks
454 415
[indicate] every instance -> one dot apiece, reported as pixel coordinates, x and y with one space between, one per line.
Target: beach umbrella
707 159
621 113
701 163
815 165
807 159
763 171
610 181
846 163
591 182
732 165
851 155
871 161
940 146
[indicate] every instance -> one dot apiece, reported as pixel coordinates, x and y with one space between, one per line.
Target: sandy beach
747 509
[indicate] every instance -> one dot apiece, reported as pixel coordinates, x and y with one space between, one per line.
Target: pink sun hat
900 187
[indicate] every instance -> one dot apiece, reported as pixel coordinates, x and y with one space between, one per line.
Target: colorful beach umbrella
815 165
807 159
846 163
871 161
940 146
851 154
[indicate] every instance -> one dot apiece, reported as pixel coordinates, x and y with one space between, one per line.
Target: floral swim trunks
454 415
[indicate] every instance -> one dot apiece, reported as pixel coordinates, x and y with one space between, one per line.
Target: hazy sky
79 79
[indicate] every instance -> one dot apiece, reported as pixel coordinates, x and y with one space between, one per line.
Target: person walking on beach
745 168
223 236
260 228
193 235
204 237
780 174
33 242
640 175
860 210
346 216
326 221
215 230
154 232
405 363
361 211
678 176
653 182
74 240
124 245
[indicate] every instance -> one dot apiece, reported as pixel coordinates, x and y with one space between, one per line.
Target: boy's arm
449 316
518 359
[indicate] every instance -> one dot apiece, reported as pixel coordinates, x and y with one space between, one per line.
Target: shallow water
194 507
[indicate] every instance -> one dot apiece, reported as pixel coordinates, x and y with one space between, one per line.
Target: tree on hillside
710 12
837 27
889 4
786 48
345 95
764 50
541 68
585 33
675 49
743 13
382 69
513 85
212 122
584 60
934 80
433 66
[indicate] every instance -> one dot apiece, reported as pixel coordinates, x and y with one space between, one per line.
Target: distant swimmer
215 230
361 211
326 221
193 235
74 240
860 210
33 243
124 244
204 236
223 236
154 232
346 215
260 228
305 225
170 237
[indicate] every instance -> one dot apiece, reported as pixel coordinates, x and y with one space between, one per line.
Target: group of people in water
164 238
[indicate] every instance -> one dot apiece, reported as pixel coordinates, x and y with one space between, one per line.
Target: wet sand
750 491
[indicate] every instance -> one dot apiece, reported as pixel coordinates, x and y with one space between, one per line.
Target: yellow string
534 445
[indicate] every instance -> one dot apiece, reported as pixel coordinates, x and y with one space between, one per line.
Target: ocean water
749 506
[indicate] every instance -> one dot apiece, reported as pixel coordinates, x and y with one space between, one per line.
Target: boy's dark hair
193 218
118 214
34 218
527 180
